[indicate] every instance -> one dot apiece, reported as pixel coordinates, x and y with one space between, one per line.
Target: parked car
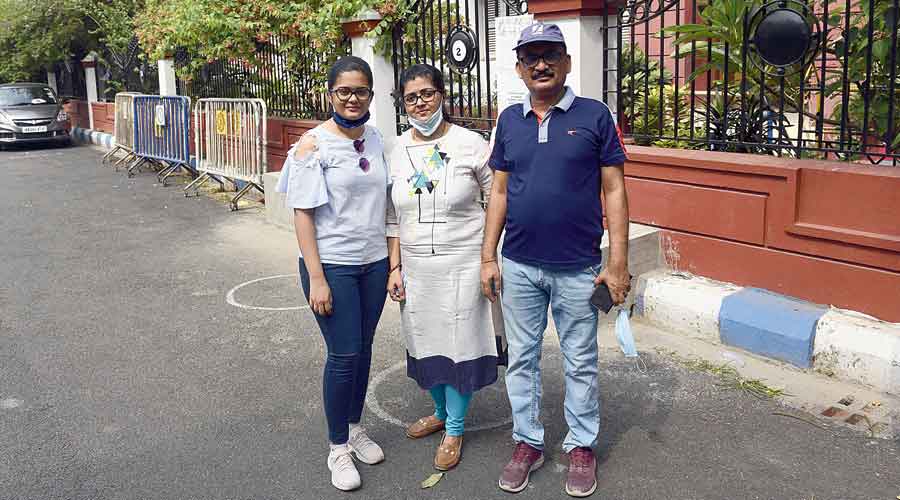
32 112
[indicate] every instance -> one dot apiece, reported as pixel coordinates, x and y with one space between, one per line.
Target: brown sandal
425 426
448 455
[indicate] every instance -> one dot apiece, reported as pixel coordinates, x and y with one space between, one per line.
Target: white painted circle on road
229 297
375 407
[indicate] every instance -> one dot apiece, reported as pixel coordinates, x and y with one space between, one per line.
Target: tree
35 34
112 25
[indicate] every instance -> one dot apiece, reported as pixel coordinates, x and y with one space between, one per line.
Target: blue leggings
451 407
357 296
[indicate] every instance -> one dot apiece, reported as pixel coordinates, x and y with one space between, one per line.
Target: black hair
430 73
345 65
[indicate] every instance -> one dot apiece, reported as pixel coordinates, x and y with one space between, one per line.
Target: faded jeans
527 293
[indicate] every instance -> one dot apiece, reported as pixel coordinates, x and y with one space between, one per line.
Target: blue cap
540 32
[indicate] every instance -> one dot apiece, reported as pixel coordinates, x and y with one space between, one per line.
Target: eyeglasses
550 58
427 95
345 93
360 146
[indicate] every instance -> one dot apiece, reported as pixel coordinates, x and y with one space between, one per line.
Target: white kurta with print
437 194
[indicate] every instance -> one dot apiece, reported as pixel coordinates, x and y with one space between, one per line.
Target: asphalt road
126 373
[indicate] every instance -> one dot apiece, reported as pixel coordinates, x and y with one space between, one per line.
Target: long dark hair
430 73
346 65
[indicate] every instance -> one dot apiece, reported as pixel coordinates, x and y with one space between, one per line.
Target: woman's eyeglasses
345 93
360 146
427 95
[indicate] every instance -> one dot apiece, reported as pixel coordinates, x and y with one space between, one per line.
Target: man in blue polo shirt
552 155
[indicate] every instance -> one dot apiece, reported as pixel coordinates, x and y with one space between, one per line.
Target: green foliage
112 24
640 76
716 40
35 34
716 44
234 43
656 114
867 90
233 29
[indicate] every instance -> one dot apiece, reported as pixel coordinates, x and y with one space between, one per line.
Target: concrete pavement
125 373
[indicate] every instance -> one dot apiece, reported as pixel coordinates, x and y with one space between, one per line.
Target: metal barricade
230 143
124 129
162 134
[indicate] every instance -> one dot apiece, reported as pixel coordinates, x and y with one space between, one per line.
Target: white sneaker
344 475
366 450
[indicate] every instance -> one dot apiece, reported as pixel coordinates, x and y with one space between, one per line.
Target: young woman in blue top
335 179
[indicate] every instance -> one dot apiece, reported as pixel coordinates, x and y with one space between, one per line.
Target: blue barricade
162 133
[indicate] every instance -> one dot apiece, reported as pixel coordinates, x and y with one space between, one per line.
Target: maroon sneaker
524 460
581 480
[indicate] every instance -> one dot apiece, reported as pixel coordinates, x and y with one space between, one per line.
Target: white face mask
429 126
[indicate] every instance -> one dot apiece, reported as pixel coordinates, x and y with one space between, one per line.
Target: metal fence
70 79
162 134
290 91
471 97
126 70
787 77
123 129
230 143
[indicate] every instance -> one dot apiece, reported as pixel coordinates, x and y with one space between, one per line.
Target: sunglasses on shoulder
360 146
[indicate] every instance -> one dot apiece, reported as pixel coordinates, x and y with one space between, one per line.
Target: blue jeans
357 295
527 293
451 407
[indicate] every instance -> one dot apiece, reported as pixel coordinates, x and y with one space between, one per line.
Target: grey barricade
124 128
230 143
162 134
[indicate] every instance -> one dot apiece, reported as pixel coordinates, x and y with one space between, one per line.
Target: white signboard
510 88
160 115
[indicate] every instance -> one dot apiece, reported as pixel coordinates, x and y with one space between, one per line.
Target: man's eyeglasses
427 95
345 93
550 58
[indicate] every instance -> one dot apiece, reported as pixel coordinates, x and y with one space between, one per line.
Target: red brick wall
822 231
104 117
78 114
281 135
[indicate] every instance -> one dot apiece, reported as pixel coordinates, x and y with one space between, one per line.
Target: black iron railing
291 89
471 98
786 77
70 79
127 70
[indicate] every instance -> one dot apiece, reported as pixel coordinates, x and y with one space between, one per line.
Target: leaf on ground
432 480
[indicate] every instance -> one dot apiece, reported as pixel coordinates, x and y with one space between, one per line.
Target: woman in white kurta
439 181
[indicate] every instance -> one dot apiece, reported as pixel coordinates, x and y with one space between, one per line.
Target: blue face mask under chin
345 123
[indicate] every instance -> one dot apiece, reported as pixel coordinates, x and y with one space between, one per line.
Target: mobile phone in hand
602 299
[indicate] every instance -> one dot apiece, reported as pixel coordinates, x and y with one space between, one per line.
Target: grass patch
728 376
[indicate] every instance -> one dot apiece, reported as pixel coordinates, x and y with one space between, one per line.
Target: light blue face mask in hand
624 336
626 339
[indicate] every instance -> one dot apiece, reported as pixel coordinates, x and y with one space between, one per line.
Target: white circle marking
375 407
229 297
